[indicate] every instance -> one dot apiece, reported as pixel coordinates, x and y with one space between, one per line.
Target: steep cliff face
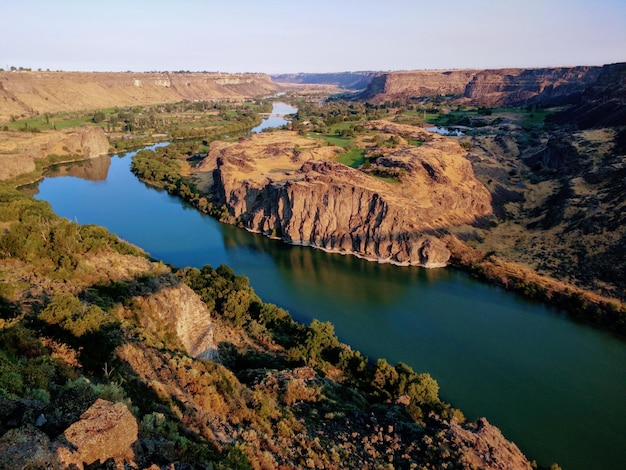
601 104
24 93
547 86
499 87
20 150
307 198
394 85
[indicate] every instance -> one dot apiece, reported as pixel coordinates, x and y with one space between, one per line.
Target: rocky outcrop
498 87
480 446
27 447
173 306
105 431
601 104
398 85
20 150
306 199
547 86
26 93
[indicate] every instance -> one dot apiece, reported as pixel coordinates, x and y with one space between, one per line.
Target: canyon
505 197
290 187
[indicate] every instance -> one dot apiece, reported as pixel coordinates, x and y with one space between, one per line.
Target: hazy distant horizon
39 69
277 36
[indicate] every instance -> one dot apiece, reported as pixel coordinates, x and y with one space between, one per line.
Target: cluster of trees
161 168
34 234
316 345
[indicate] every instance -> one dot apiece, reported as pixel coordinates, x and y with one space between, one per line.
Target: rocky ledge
292 188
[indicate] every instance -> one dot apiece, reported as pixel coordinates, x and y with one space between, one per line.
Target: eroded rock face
547 86
177 308
306 198
105 431
497 87
70 91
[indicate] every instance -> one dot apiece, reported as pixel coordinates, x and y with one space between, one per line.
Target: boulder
105 431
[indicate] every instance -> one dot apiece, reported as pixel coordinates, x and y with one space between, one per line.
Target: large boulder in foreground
105 431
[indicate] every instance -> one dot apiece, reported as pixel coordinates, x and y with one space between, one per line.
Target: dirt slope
28 93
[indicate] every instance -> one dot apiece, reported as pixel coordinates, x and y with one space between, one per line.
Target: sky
282 36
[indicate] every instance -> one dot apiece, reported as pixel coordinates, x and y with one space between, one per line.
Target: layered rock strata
497 87
293 188
26 93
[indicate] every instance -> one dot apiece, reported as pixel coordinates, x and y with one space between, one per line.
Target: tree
98 116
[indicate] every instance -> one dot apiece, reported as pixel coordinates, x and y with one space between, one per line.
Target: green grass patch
352 158
332 139
341 126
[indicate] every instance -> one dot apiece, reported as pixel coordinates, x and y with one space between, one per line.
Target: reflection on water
94 169
347 277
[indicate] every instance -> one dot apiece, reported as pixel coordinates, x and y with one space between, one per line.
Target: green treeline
161 168
314 345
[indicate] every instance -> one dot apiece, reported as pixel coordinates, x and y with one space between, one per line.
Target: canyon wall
27 93
546 86
400 85
305 197
19 151
497 87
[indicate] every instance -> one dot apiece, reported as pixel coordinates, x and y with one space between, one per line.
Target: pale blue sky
276 36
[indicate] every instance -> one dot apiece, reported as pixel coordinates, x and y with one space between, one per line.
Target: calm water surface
554 387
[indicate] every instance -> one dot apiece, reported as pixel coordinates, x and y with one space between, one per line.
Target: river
555 387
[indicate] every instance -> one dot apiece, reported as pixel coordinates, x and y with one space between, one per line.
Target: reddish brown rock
307 198
105 431
497 87
482 446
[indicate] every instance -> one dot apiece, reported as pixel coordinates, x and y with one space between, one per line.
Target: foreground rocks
292 188
105 431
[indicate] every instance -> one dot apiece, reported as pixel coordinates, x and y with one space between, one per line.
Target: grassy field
352 158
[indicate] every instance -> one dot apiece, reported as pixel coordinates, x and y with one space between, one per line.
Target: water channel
553 386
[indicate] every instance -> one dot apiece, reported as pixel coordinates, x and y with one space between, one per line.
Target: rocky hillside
602 103
20 151
28 93
111 360
498 87
292 188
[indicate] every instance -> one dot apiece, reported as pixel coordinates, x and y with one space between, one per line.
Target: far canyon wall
27 93
498 87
